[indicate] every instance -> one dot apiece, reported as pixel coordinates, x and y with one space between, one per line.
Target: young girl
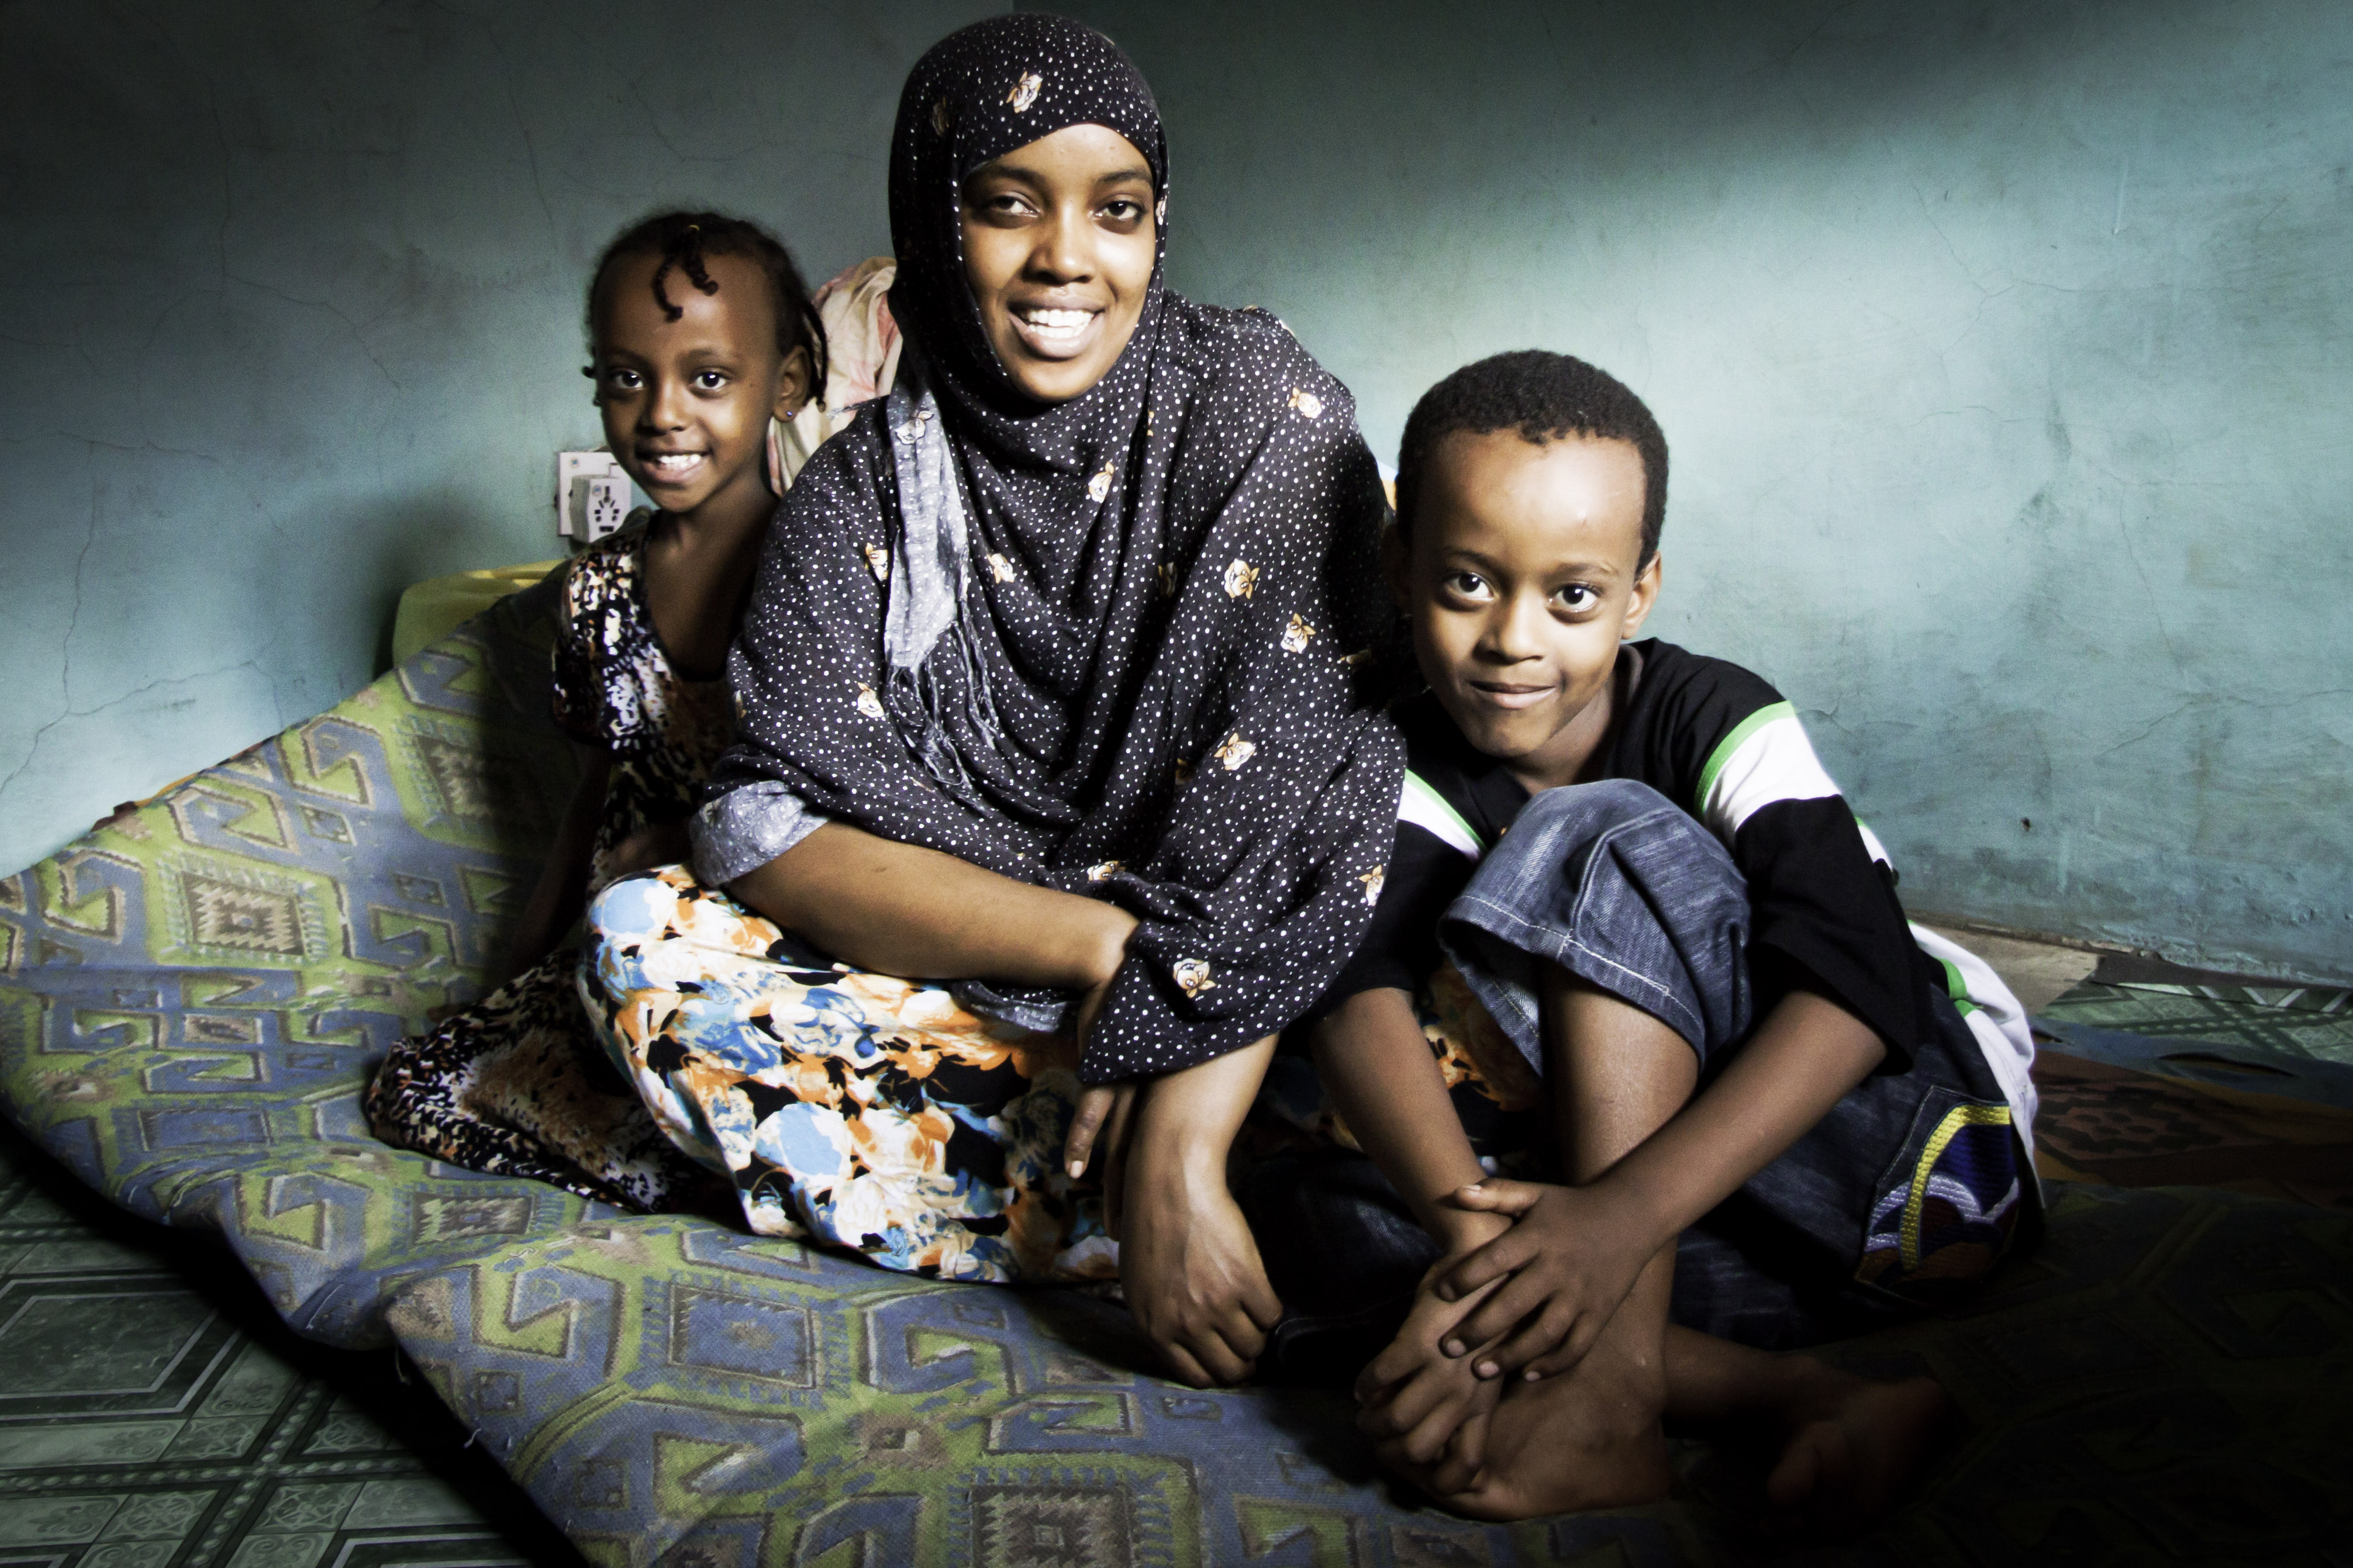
705 348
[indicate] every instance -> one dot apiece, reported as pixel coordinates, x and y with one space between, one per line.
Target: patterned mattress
191 996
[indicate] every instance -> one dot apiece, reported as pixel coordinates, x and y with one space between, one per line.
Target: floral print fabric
857 1110
875 1114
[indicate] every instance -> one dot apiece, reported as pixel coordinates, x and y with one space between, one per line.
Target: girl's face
1058 247
686 403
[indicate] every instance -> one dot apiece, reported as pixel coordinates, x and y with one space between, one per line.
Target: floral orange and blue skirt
859 1110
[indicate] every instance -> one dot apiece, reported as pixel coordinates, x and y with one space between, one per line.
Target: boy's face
1520 583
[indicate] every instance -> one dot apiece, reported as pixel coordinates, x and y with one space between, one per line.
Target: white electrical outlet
608 503
577 500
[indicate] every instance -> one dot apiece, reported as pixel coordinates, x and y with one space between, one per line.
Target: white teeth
1057 323
673 463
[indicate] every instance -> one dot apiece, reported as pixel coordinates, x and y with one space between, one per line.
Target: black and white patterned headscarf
1117 646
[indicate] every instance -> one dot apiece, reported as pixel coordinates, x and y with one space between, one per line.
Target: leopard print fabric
614 689
517 1084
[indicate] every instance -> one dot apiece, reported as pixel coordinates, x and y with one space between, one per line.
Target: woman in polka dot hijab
1086 673
1142 686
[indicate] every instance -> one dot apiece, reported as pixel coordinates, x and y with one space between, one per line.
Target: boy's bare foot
1587 1437
1854 1448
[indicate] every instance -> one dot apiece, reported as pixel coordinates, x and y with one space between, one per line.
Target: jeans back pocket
1950 1205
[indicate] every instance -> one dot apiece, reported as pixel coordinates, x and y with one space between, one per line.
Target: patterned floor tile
2156 1083
2280 1022
154 1413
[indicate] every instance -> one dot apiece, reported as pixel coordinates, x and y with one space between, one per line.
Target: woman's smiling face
1058 249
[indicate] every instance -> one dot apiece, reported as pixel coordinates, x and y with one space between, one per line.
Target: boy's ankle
1631 1357
1461 1231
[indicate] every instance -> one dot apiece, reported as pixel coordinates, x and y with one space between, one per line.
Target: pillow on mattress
193 996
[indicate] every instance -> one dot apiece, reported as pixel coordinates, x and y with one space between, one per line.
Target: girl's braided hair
681 239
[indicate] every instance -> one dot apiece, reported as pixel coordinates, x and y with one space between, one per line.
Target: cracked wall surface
290 318
2003 354
2002 349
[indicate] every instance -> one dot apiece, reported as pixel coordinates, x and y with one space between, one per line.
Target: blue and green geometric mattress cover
191 997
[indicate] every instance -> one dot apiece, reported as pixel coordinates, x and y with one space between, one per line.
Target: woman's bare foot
1587 1437
1854 1448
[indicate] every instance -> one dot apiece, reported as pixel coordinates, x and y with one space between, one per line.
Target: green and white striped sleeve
1765 758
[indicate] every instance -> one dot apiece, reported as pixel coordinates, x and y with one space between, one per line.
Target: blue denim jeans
1614 883
1619 886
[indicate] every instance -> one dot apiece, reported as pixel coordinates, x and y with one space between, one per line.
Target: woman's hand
1193 1275
1104 1110
1100 1125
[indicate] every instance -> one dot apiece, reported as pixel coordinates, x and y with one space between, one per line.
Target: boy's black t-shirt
1724 745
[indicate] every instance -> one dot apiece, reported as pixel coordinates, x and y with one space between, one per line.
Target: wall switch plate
590 487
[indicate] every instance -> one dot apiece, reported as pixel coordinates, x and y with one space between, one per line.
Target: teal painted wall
2002 348
290 318
2005 351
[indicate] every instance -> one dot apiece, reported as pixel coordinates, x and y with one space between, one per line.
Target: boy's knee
1616 884
1589 810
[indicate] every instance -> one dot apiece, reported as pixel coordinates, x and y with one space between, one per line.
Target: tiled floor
2153 1074
154 1413
2315 1024
2036 973
2165 1002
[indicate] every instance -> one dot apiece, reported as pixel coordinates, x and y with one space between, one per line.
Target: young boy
1776 1112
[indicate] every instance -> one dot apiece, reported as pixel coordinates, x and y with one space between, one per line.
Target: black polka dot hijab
979 94
1119 646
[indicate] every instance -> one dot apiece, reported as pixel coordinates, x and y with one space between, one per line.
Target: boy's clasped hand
1530 1302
